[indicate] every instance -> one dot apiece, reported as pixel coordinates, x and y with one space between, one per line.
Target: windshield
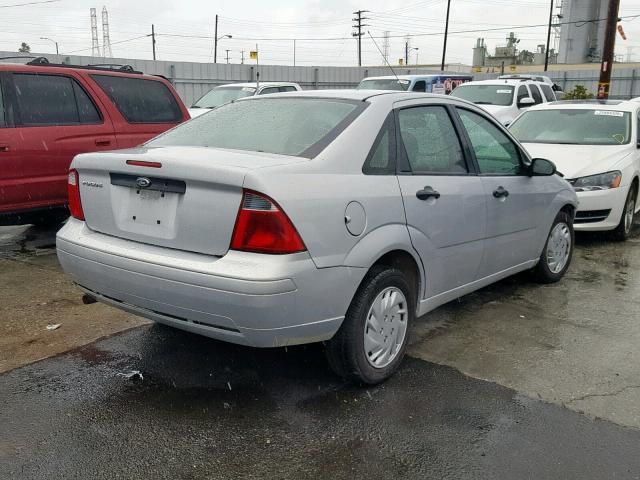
383 84
573 126
485 94
287 126
221 95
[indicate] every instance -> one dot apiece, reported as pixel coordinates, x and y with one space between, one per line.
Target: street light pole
546 52
51 40
446 34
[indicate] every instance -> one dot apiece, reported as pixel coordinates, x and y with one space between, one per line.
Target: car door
55 119
444 200
11 187
515 201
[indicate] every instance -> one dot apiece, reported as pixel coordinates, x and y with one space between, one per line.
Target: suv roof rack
112 67
17 56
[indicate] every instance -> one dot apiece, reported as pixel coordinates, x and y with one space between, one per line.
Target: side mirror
526 102
541 167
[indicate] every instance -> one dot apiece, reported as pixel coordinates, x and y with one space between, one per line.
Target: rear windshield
140 100
573 127
221 95
286 126
384 84
485 94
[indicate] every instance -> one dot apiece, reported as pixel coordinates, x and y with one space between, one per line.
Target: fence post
251 74
172 73
564 81
315 78
633 82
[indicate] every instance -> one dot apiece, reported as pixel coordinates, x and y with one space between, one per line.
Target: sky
322 28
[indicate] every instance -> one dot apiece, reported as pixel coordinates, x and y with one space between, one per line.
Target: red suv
49 113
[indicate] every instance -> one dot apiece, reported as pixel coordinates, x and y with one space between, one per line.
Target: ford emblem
143 182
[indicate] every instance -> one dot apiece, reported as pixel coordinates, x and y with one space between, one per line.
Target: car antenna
385 58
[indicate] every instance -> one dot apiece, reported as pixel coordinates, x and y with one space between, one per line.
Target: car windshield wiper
483 103
196 106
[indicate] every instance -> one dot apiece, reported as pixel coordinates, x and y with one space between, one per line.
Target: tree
578 93
24 48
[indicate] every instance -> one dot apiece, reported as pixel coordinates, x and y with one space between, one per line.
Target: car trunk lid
185 198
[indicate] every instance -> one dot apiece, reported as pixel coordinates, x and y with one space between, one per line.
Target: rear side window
381 159
535 92
548 93
140 100
52 100
288 88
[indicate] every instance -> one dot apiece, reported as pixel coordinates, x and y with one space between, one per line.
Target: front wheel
623 230
558 250
373 337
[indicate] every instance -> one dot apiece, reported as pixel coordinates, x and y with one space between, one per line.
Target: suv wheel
372 340
558 250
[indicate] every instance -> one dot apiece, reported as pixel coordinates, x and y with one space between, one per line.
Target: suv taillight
75 205
262 227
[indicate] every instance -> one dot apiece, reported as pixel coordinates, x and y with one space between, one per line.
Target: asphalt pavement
516 381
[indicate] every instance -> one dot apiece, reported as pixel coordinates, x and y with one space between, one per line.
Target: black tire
542 272
623 230
346 351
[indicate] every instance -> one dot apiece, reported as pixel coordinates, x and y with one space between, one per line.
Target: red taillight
75 205
262 227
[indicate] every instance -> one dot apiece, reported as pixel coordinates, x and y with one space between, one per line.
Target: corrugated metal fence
192 79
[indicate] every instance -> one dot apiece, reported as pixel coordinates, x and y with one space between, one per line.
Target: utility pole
294 52
358 33
406 50
215 42
546 52
153 40
607 50
227 55
446 34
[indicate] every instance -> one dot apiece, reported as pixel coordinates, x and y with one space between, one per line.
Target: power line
28 3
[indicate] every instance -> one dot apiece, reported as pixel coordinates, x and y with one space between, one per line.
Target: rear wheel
623 230
558 250
372 340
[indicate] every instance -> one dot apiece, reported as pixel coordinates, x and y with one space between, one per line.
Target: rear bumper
250 299
595 205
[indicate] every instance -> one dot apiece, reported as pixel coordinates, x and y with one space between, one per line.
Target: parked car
442 84
595 145
557 89
50 113
506 98
226 93
335 216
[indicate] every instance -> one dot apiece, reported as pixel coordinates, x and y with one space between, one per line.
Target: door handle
427 192
102 142
4 148
500 192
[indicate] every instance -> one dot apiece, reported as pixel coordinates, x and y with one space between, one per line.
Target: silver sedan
326 216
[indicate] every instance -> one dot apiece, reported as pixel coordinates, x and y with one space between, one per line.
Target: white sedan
595 145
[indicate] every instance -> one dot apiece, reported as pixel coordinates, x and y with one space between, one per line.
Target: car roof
262 84
503 81
389 96
62 68
412 77
616 105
